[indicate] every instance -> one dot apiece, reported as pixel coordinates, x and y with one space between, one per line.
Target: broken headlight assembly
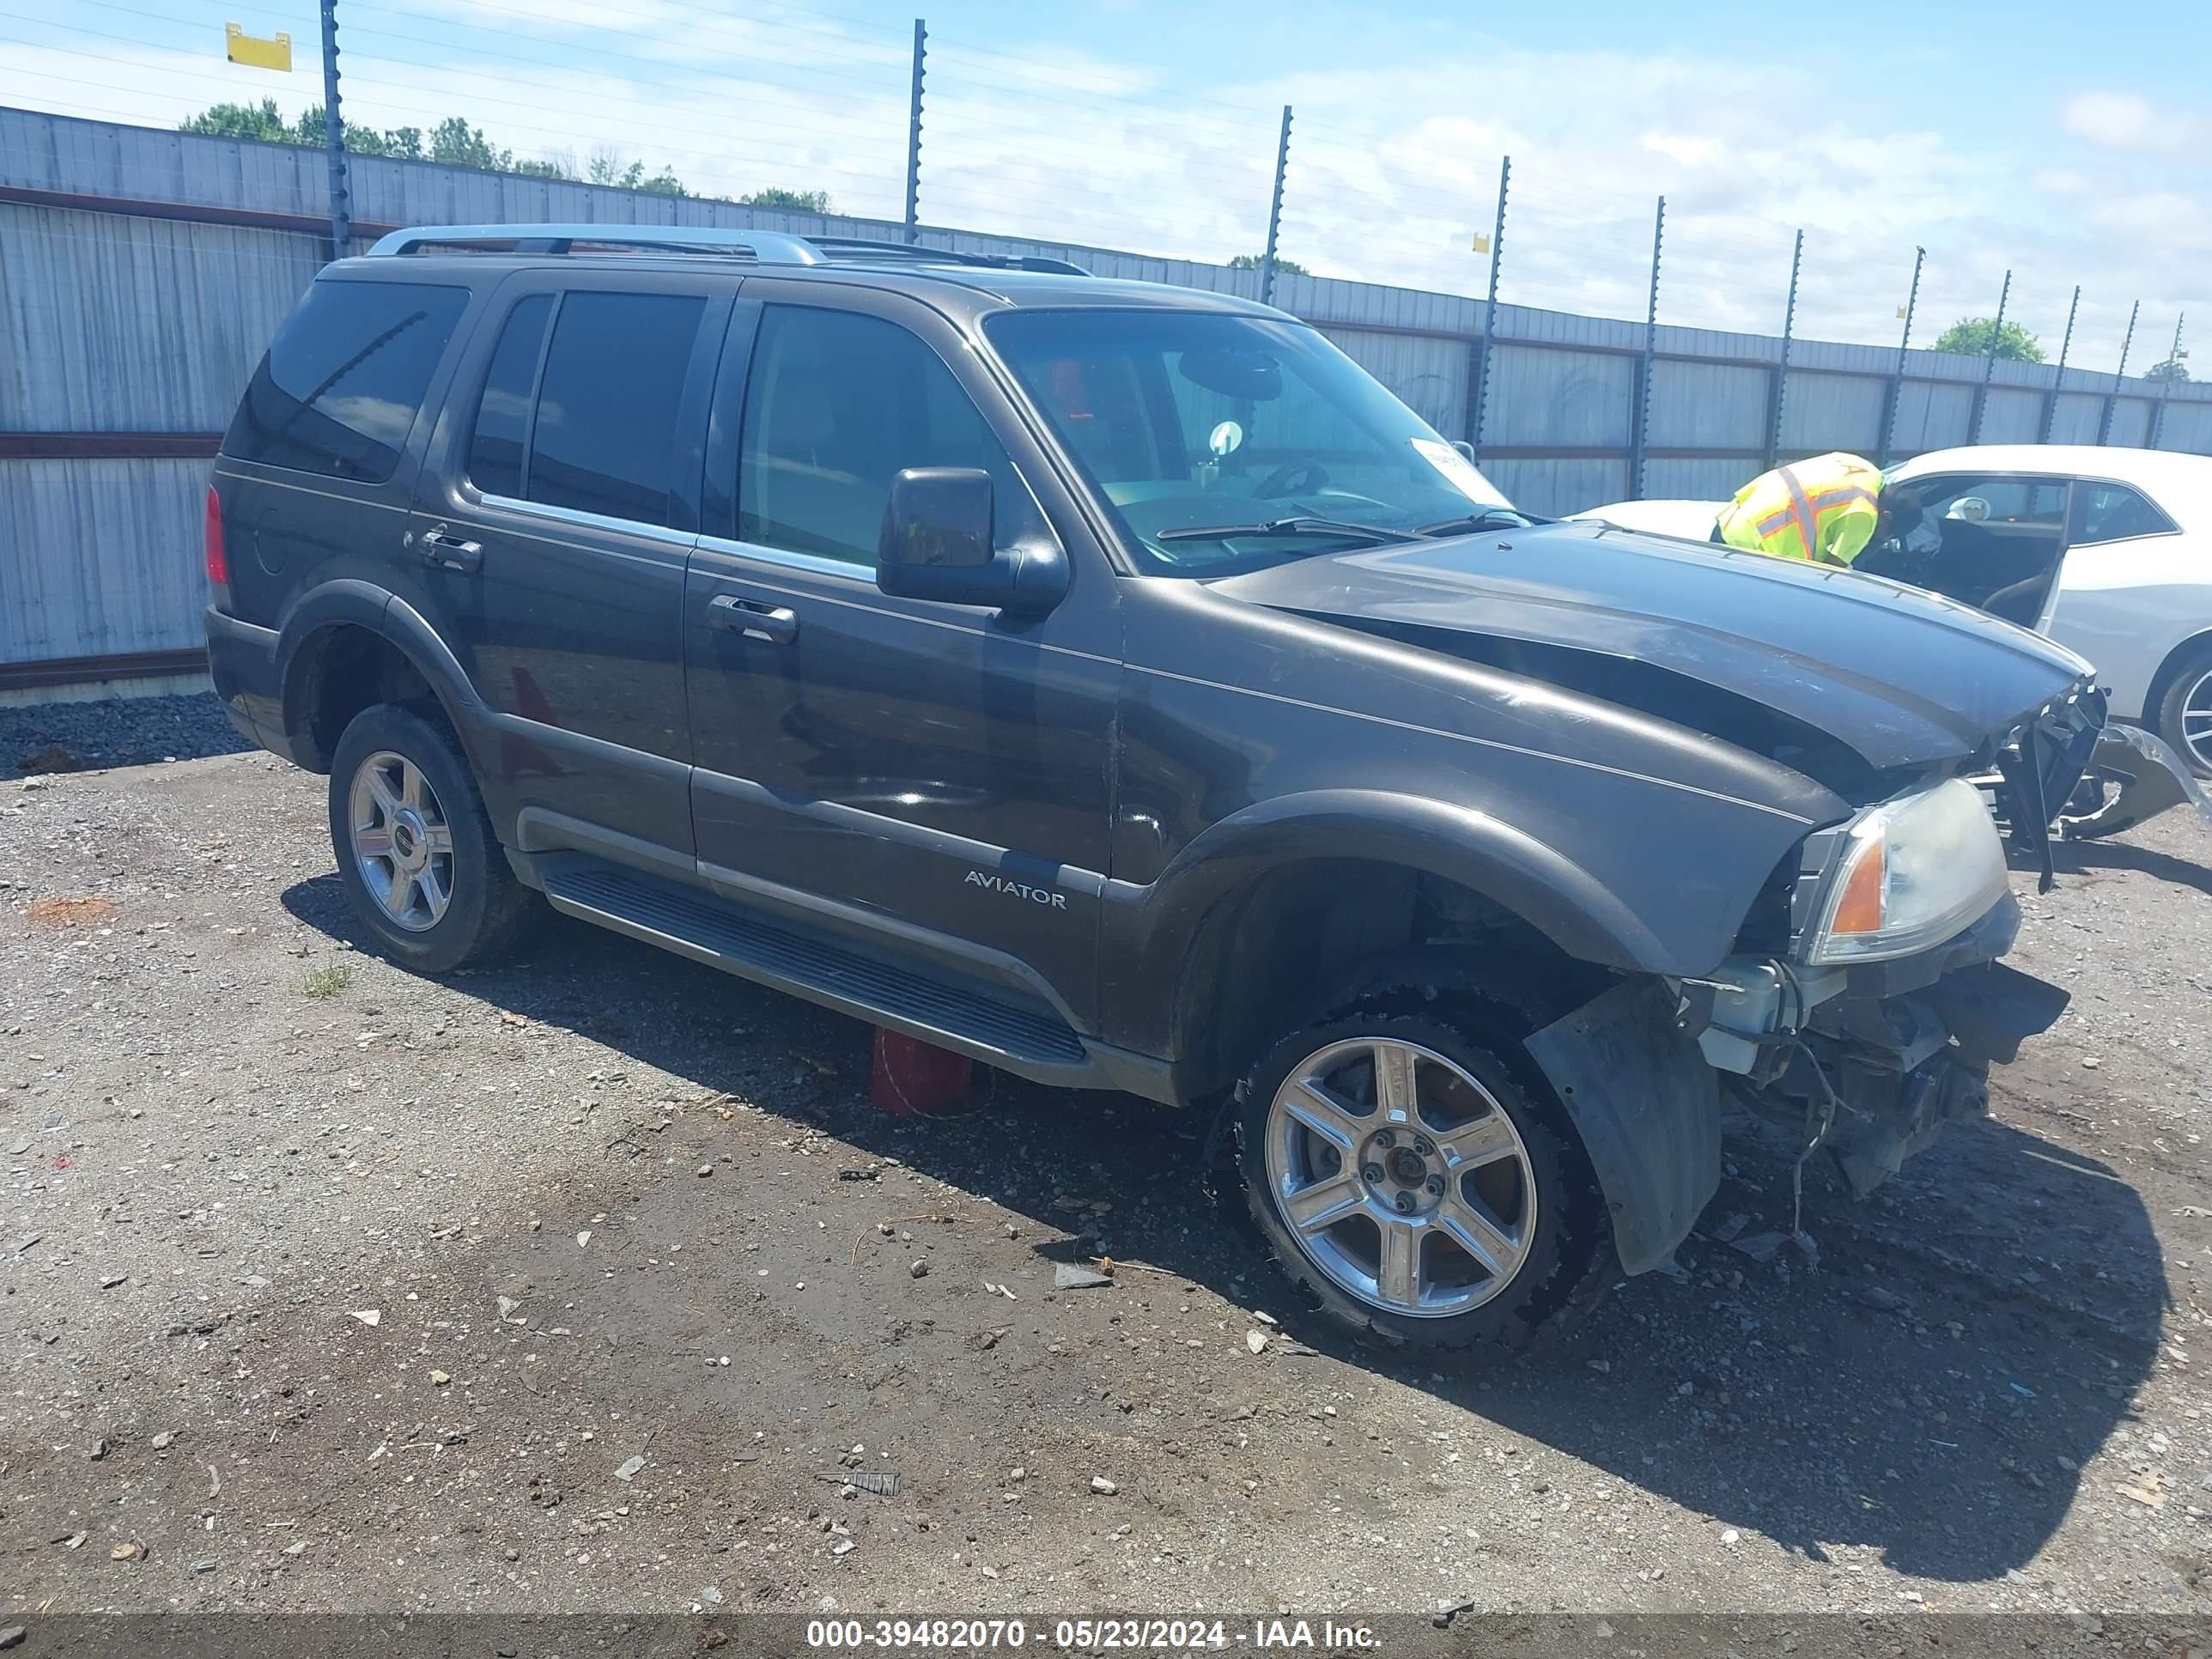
1905 876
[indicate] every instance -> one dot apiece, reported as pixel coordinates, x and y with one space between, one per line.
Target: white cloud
2127 121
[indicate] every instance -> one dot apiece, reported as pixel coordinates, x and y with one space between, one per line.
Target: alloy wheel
2196 721
402 846
1401 1177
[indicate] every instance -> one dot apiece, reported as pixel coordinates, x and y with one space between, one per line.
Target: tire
400 773
2184 713
1485 1122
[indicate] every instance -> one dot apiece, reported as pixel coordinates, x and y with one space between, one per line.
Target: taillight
218 562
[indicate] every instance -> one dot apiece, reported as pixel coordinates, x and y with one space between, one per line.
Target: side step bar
1030 1042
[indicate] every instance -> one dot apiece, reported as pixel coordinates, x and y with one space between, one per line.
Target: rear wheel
2184 714
415 847
1418 1185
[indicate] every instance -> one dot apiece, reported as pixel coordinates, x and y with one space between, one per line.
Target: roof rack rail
774 247
864 247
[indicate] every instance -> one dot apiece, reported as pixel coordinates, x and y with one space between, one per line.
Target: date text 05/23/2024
1092 1635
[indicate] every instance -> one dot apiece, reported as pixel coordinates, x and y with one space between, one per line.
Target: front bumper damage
1870 1062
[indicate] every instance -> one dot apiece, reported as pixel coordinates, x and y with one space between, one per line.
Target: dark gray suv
1116 684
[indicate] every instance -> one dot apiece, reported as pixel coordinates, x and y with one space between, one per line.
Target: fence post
334 137
2058 384
1895 394
2105 421
2166 386
1641 436
1781 388
914 133
1990 362
1479 392
1275 212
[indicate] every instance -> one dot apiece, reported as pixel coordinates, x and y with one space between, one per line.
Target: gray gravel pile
80 737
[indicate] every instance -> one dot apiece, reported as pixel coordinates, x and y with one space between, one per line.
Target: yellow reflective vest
1823 509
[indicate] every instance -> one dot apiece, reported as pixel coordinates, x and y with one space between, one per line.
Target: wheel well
2170 671
1279 949
338 672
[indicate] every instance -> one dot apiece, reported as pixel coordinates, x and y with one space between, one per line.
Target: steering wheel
1299 476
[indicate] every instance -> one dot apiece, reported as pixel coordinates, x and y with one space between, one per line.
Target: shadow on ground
1970 1336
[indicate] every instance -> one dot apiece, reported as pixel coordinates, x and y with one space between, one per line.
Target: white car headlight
1913 871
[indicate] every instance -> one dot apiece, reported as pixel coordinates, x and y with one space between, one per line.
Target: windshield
1226 443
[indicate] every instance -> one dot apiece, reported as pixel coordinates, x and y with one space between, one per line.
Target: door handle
441 548
728 614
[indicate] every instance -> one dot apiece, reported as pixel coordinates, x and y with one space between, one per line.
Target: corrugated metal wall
129 327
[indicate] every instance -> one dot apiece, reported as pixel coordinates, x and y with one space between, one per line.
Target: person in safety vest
1827 510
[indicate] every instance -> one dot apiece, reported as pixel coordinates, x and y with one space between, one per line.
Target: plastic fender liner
1648 1108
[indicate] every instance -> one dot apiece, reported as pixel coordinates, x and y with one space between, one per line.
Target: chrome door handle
441 547
728 614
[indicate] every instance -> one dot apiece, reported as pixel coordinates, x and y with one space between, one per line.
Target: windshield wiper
1493 518
1292 526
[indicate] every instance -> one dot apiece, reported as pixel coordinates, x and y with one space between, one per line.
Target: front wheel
1417 1184
415 847
2184 714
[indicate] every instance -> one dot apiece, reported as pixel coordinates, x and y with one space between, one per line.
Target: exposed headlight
1913 871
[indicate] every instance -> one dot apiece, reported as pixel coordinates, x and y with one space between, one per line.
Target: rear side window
835 404
342 382
503 412
2113 513
605 435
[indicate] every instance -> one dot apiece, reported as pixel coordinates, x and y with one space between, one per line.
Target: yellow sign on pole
1481 242
254 52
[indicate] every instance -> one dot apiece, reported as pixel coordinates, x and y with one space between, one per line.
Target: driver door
2001 541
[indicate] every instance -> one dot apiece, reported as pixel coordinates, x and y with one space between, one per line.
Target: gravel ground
75 737
588 1283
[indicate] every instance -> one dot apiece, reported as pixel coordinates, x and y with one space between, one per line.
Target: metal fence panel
134 324
100 558
1833 411
1564 400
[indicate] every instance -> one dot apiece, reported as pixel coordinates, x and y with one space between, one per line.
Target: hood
1903 678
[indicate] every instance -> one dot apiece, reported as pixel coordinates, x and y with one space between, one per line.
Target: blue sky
2066 144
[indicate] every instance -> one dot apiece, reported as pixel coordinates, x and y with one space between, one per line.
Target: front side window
2114 512
1224 442
344 379
605 438
837 403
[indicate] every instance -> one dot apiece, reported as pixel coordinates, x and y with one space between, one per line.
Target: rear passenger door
931 777
550 539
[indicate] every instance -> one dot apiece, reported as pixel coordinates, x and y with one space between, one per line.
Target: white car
2109 551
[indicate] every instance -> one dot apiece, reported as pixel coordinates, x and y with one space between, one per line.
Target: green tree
1970 336
453 140
798 201
2175 367
1283 267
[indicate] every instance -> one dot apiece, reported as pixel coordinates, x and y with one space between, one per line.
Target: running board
1030 1042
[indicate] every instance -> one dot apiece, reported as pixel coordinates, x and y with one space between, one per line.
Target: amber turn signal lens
1859 910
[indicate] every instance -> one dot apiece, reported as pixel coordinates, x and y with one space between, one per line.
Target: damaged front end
1878 1021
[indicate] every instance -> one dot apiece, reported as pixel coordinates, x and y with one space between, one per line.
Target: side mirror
936 543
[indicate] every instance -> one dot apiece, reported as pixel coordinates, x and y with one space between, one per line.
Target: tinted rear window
503 413
343 380
606 407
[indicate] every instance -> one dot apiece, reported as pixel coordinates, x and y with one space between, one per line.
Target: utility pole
1897 375
1782 369
913 134
1275 213
2166 386
1650 350
2059 385
1479 394
2104 420
334 137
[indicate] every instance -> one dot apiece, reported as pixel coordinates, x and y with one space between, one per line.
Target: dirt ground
588 1284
